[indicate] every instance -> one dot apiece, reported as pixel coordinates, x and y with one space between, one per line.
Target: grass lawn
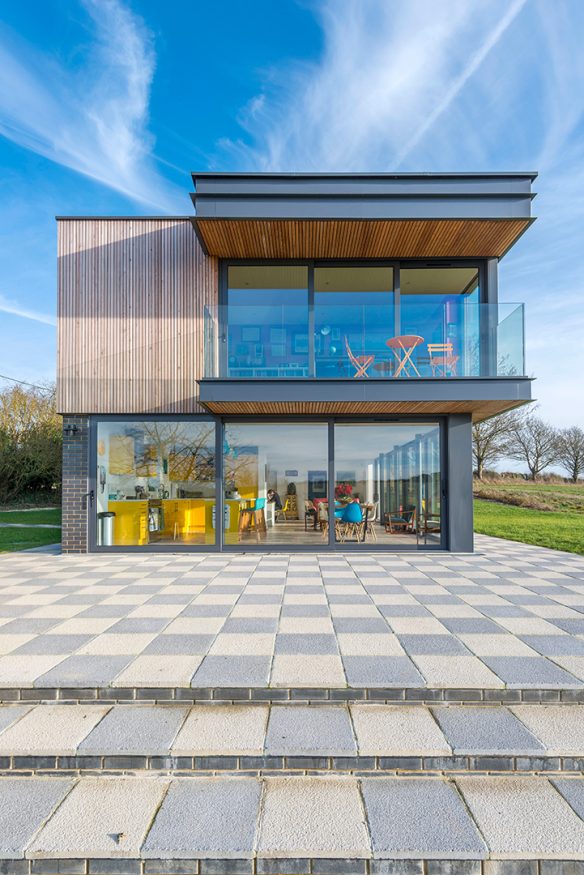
560 530
50 517
537 496
23 539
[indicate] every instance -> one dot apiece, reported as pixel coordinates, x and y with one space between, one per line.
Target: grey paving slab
313 817
84 671
186 645
53 644
101 818
530 671
555 645
306 644
307 731
135 729
523 818
232 671
486 730
434 644
420 818
25 805
205 818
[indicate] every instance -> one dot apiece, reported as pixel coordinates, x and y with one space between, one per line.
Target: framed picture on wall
277 335
250 334
317 483
300 344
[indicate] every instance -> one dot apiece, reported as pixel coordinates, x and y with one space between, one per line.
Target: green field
51 517
27 536
560 529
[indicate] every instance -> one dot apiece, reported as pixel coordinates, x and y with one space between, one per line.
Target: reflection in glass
267 319
440 307
276 483
155 483
387 484
353 318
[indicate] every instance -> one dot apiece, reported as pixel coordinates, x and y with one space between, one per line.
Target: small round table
402 347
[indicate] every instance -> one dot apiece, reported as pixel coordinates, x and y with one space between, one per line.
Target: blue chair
350 521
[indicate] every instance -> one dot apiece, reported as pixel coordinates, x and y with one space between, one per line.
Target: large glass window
155 483
267 321
353 318
440 306
387 484
275 482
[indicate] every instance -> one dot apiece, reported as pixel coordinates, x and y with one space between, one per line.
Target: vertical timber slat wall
131 300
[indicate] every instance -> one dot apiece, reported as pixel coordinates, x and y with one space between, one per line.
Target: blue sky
106 105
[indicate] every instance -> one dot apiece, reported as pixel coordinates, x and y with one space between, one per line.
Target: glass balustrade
422 338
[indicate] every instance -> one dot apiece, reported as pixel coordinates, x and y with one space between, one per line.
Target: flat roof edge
530 174
125 218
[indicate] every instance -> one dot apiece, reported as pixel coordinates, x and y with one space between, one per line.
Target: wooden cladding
398 238
132 296
479 409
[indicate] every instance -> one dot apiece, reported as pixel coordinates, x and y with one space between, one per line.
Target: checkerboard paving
213 825
507 616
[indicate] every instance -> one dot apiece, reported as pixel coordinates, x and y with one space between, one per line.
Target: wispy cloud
16 309
94 118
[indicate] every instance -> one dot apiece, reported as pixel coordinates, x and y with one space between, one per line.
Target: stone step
264 739
209 825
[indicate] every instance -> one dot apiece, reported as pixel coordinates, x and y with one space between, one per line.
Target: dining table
402 347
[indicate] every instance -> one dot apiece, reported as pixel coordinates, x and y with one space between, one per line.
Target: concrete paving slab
297 730
572 789
232 671
397 730
456 671
22 671
307 671
420 818
135 729
486 730
9 714
25 805
206 818
159 671
83 671
313 817
221 730
51 729
101 818
523 818
559 727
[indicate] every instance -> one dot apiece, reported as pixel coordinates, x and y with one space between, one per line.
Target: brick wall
75 485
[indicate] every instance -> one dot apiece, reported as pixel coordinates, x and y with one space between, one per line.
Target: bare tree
491 440
570 451
534 442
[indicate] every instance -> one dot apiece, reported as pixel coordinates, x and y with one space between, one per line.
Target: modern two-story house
295 366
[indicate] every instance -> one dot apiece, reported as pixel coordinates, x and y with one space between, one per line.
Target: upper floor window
267 321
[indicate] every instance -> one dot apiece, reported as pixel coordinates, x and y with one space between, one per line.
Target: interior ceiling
268 276
353 279
438 280
413 281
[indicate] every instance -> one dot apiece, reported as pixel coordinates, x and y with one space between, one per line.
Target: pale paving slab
135 729
51 729
483 730
559 727
293 670
420 818
205 818
221 730
25 805
397 730
296 730
523 818
22 671
159 671
313 817
456 671
101 818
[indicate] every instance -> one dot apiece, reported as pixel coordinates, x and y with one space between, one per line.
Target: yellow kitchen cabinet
130 522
